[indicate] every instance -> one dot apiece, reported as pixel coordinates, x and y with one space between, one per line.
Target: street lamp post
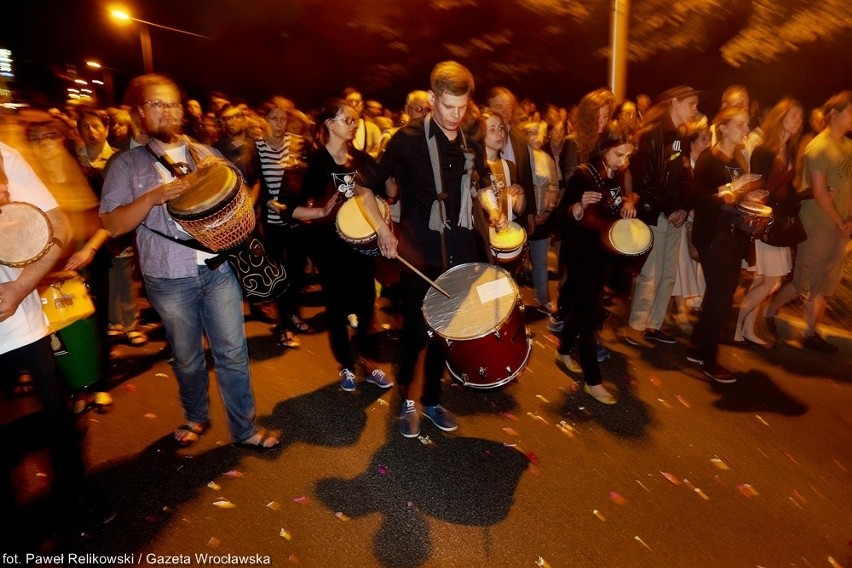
145 35
109 87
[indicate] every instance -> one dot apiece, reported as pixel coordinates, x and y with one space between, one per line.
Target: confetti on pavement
234 473
761 420
223 503
214 486
682 400
747 490
301 500
161 375
672 479
509 416
720 464
285 534
213 542
510 431
617 498
541 398
599 515
274 505
642 542
341 516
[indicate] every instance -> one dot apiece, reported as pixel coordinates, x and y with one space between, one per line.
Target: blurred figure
816 123
721 180
658 172
210 129
774 160
192 122
688 291
827 218
503 103
733 96
546 192
120 129
643 104
25 345
281 187
368 134
238 147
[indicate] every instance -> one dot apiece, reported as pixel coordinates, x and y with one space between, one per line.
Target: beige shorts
819 262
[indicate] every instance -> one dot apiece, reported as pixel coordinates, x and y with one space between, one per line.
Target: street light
109 89
145 35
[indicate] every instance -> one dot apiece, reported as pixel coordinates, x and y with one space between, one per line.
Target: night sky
309 50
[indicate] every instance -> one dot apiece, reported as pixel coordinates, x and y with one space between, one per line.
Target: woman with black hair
335 173
590 205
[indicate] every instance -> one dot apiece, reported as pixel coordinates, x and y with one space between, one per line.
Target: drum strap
177 169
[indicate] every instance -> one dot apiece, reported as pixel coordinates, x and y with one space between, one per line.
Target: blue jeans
211 304
538 258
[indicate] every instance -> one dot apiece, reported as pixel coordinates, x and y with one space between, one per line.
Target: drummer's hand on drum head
756 196
742 182
628 210
169 191
387 242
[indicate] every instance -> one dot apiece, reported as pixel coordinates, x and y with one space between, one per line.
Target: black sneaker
659 335
693 356
718 373
817 343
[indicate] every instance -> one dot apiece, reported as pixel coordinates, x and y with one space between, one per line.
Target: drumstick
423 276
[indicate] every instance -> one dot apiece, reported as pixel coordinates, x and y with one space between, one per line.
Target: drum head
353 224
755 209
630 237
25 233
510 238
482 296
208 187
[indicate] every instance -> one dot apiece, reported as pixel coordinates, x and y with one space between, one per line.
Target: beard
166 133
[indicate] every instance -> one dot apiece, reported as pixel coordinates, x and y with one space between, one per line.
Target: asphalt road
681 472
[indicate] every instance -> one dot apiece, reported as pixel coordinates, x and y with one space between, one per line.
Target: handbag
786 231
261 277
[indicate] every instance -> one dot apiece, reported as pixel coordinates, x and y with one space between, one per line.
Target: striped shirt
272 165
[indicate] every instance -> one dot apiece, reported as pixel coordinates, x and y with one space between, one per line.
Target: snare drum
216 208
507 245
354 228
629 237
65 299
481 324
25 234
754 219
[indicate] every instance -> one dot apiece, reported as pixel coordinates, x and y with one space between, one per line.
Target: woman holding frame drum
585 215
347 274
720 181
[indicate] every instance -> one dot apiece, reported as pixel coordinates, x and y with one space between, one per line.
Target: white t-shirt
28 324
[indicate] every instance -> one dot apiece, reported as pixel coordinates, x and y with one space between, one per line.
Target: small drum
481 324
25 234
507 245
77 350
65 300
754 219
629 237
353 227
216 208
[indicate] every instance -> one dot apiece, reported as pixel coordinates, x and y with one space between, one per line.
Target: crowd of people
699 186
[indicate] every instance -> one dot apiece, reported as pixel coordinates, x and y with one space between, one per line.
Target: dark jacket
657 170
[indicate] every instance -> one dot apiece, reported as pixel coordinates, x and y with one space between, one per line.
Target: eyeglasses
233 117
348 120
52 137
162 105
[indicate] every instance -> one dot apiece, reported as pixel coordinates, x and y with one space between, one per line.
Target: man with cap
658 178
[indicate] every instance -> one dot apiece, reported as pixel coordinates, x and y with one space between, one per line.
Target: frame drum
630 237
354 228
25 234
508 244
481 324
754 219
